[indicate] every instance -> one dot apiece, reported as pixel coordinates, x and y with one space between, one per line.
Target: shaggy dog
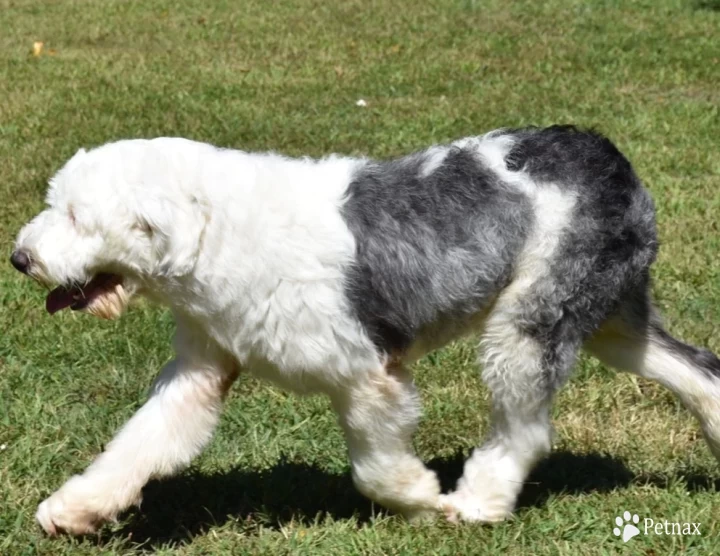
332 276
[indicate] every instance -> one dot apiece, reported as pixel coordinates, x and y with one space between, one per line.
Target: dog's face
114 223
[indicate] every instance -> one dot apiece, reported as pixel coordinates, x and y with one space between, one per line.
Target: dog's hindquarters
635 341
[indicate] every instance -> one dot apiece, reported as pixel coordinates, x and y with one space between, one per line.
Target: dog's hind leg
635 341
523 372
379 413
171 428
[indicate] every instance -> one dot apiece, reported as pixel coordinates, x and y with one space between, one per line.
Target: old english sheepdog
332 276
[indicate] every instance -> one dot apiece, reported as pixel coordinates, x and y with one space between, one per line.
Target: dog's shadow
177 509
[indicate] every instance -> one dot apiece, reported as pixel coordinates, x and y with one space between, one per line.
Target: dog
332 276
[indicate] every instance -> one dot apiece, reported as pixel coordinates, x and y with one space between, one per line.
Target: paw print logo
629 530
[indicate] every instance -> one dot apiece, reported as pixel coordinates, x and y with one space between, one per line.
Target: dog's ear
176 230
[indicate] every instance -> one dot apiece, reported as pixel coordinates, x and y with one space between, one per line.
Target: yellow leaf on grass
37 48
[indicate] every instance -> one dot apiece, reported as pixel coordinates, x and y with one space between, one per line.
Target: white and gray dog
331 276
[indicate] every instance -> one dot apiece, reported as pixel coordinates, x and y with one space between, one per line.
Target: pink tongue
58 299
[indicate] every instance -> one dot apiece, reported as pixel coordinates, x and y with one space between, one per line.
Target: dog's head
118 218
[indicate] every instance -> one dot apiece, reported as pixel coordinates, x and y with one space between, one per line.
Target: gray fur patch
430 246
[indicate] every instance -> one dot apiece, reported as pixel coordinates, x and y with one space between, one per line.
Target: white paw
462 506
64 512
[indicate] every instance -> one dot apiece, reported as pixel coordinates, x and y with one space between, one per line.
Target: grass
286 76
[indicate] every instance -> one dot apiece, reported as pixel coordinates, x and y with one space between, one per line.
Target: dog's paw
65 512
461 506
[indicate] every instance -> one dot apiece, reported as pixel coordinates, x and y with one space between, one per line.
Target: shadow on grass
565 472
177 509
711 5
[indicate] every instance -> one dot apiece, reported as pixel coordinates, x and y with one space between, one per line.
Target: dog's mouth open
103 296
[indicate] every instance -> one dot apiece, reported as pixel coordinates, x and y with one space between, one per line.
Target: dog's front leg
163 436
379 413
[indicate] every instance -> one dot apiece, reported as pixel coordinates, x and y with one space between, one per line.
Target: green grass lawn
286 76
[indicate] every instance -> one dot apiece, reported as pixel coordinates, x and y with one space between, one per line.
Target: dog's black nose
20 260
